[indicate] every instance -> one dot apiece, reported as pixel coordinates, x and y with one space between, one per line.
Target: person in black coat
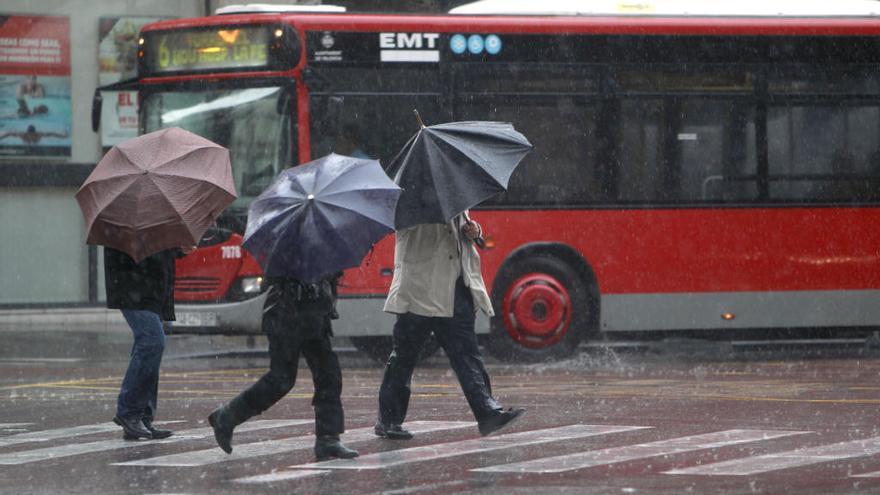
145 293
296 320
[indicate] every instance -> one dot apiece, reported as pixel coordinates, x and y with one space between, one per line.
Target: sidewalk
95 319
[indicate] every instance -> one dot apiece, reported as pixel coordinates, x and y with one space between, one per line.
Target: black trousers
459 341
286 342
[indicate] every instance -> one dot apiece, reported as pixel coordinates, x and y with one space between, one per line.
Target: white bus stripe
582 460
383 460
27 456
784 460
280 446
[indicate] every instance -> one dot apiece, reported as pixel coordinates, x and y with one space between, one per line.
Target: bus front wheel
542 310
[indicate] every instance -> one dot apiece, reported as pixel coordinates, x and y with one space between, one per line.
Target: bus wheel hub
537 310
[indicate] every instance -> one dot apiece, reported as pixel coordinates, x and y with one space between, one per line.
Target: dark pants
459 341
140 386
286 343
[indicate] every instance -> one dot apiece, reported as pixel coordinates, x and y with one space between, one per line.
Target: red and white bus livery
693 170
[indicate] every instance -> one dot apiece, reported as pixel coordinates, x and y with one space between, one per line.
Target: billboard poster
117 61
34 86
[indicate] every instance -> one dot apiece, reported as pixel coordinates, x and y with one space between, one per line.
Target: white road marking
47 435
391 458
14 425
581 460
282 476
272 447
35 455
784 460
383 460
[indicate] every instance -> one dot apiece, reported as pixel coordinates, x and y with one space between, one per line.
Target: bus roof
258 8
747 8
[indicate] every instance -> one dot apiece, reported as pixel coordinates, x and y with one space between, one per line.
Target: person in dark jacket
296 320
144 292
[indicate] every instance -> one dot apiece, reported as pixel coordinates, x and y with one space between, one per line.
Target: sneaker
391 431
499 421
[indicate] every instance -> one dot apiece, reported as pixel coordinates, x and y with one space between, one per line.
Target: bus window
824 151
247 121
373 126
686 150
562 169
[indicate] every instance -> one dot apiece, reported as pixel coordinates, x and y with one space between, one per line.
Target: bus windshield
254 123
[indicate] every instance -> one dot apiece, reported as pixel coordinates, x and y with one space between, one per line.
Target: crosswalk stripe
35 455
582 460
784 460
282 476
47 435
872 474
14 425
283 445
391 458
452 449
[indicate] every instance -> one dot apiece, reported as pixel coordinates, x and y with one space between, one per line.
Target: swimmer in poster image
31 136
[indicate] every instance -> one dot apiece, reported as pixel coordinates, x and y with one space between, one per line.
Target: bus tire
543 310
379 348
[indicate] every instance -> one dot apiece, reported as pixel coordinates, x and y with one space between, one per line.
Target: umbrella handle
419 118
479 241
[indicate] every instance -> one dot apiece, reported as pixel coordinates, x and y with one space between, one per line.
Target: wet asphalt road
679 417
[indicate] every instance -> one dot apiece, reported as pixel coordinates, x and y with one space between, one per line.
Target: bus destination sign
201 49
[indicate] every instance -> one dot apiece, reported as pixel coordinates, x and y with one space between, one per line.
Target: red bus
692 170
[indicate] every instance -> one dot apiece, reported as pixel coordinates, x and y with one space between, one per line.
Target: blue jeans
140 387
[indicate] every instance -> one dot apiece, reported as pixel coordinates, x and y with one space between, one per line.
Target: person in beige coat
438 287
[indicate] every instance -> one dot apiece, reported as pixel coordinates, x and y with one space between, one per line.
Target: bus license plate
196 320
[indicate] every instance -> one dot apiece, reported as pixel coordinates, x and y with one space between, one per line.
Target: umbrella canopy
446 169
157 191
321 217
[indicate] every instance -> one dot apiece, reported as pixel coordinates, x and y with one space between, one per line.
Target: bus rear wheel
542 310
379 348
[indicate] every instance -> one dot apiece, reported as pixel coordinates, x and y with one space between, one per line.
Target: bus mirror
97 103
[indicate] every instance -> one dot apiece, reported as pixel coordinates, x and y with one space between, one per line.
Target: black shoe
499 421
391 431
156 432
329 447
132 428
223 426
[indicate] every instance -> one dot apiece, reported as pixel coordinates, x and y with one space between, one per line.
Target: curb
63 319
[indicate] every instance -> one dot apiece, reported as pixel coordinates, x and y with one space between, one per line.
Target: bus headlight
252 285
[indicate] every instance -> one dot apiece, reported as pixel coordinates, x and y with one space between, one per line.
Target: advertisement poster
34 86
117 61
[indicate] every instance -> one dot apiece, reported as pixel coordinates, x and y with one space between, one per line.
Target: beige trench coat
428 260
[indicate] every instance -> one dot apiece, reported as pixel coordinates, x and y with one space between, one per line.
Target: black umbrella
321 217
445 169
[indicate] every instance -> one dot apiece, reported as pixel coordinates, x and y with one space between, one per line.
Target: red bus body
636 266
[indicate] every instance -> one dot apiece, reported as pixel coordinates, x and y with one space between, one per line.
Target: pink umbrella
157 191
